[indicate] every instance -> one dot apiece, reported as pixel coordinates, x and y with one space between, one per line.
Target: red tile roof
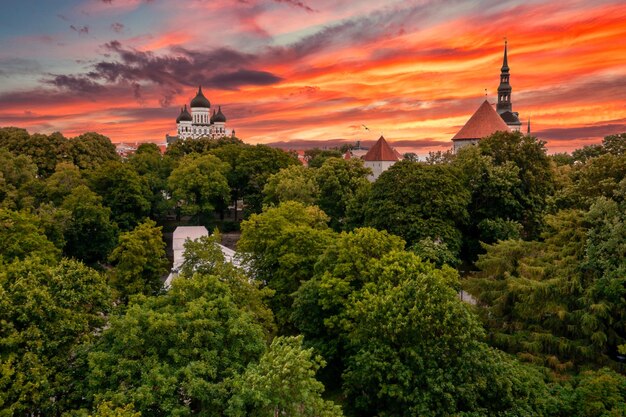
381 151
483 122
347 155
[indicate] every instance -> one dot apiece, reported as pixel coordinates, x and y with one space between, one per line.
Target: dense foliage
347 300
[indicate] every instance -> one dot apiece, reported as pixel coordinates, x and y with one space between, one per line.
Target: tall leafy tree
22 236
46 313
155 169
204 256
256 165
414 349
560 302
139 261
124 191
91 234
177 353
282 383
17 178
294 183
89 150
44 150
535 173
199 185
60 184
280 247
416 201
341 183
320 303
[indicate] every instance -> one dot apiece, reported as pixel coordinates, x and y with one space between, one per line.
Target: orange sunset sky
303 73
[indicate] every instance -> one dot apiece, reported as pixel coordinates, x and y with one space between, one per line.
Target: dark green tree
17 179
155 169
316 156
43 150
60 184
89 150
535 174
139 261
204 256
417 201
122 190
342 184
414 349
91 234
198 184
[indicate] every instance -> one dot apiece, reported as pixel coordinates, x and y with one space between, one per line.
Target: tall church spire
504 89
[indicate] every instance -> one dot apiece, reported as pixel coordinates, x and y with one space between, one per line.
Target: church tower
505 106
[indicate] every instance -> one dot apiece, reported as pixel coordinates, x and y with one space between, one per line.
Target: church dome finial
219 117
200 100
505 61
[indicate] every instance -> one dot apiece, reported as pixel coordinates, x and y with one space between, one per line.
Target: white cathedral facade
200 122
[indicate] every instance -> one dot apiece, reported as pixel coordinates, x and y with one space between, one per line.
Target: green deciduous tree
46 313
198 184
343 186
89 150
139 261
203 256
320 303
294 183
256 164
282 383
22 236
17 176
155 169
280 247
124 191
316 156
44 150
60 184
177 353
413 349
417 201
90 235
535 174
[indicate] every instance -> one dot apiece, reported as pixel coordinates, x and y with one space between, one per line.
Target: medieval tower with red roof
487 120
380 158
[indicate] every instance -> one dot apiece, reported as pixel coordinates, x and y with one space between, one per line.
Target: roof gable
381 151
483 122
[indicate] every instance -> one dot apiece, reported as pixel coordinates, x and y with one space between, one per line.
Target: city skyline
298 72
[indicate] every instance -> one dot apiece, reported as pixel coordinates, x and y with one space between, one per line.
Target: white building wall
461 143
378 167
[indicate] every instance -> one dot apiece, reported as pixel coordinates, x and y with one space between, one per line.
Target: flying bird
366 128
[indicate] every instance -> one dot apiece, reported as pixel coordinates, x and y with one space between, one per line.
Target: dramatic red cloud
304 72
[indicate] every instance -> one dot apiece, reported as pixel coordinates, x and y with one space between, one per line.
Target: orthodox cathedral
487 120
200 122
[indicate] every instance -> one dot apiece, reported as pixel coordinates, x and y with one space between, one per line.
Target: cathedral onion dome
213 117
184 116
219 117
200 100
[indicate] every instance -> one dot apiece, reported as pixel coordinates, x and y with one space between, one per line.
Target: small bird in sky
366 128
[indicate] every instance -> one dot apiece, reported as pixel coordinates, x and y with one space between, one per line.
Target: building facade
200 122
487 120
380 158
505 105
